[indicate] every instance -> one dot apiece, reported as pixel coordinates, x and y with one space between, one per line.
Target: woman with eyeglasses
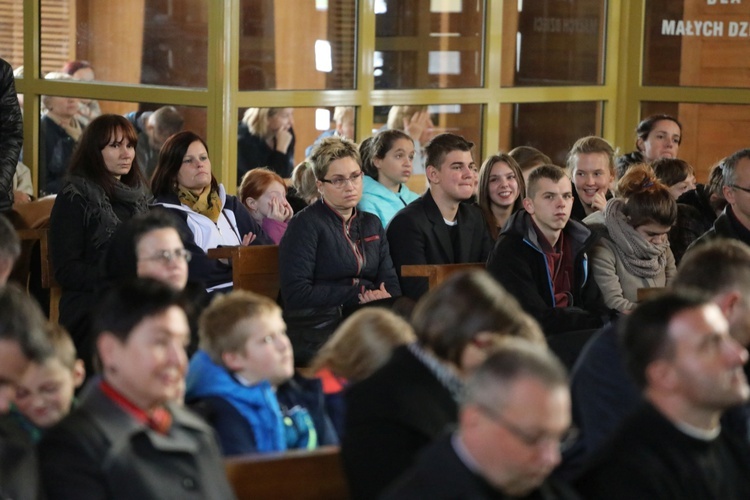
183 183
104 187
150 245
334 258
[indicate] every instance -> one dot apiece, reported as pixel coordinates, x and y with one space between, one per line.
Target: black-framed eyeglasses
167 256
563 442
735 186
340 182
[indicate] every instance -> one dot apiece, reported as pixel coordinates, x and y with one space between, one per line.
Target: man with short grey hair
734 222
515 415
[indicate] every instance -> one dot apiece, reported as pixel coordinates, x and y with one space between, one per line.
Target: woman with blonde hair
634 250
363 343
59 133
335 257
266 139
417 123
304 190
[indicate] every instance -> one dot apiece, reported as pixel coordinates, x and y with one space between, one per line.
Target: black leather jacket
11 134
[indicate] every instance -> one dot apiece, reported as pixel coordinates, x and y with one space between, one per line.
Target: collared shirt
159 419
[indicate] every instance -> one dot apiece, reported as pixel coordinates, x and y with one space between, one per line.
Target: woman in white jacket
184 184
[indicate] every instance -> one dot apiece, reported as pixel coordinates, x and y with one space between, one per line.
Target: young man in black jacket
440 228
540 257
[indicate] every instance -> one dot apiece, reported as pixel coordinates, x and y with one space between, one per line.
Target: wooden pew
436 273
254 268
297 474
643 294
47 276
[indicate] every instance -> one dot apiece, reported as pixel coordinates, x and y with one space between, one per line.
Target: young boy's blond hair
218 326
63 348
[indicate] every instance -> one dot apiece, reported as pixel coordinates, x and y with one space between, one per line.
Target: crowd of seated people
463 395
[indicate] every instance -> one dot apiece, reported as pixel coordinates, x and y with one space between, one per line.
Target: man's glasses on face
563 442
167 256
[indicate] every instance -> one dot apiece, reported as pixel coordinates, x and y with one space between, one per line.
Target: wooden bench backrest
301 475
254 268
47 273
646 293
437 273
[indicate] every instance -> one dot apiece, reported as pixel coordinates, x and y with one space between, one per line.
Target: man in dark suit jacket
512 422
438 228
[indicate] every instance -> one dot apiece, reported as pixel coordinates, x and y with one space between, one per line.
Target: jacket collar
119 427
466 229
170 200
580 237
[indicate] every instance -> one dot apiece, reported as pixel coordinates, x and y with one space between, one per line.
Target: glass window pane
550 127
435 44
553 42
11 32
288 44
159 42
461 119
60 129
709 131
279 138
696 44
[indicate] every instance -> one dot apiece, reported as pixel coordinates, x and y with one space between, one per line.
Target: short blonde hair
256 119
397 114
63 348
303 181
218 326
363 343
587 145
329 150
53 75
340 112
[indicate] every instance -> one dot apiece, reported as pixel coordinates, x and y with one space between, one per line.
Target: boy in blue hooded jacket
242 380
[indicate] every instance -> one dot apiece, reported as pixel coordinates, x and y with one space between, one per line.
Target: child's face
267 353
45 392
